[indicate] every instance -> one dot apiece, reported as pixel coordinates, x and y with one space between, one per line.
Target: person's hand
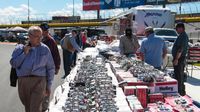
48 92
175 62
56 71
27 49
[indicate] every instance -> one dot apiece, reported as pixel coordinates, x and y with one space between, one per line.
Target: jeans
67 61
74 58
179 75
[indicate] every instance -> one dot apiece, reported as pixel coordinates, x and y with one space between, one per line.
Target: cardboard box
151 87
153 98
169 86
129 90
141 93
131 97
133 103
138 108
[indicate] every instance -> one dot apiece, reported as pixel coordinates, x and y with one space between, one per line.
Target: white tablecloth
60 94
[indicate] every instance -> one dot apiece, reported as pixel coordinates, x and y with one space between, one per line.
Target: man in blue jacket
35 70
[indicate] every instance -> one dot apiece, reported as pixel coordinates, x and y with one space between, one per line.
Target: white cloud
68 11
12 15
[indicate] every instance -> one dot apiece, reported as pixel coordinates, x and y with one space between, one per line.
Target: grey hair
34 29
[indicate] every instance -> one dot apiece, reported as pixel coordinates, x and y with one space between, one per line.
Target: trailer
145 16
140 17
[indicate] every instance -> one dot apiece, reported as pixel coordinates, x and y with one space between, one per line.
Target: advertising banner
107 4
110 4
130 3
160 2
91 4
155 2
113 4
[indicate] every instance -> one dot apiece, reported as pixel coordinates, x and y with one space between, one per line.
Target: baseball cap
44 26
149 29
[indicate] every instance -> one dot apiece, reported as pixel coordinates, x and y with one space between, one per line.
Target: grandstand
187 11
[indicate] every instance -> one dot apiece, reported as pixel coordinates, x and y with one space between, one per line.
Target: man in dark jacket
51 43
179 52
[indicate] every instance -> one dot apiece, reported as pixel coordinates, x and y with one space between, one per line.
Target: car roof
163 29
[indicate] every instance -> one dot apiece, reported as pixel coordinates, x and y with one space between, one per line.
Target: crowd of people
39 60
153 50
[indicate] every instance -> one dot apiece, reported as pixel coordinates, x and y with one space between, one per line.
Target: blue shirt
152 48
37 62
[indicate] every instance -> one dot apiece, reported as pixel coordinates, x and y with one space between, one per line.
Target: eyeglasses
37 35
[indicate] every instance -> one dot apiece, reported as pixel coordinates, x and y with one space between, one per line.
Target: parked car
170 35
166 33
22 38
3 35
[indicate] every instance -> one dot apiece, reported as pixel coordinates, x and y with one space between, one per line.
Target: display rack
193 57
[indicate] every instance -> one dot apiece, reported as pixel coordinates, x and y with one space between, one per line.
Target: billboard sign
155 2
91 4
110 4
160 2
130 3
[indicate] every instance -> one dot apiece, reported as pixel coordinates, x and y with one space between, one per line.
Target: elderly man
35 70
153 49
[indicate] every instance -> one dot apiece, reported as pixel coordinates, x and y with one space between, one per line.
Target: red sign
91 4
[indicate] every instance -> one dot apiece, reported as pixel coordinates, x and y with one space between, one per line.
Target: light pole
73 8
28 13
180 7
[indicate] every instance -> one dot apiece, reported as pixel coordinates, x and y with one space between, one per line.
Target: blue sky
42 6
13 11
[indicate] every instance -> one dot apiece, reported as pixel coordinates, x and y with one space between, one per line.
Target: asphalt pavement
9 99
193 84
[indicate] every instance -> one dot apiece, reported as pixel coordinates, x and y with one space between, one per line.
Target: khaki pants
31 92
